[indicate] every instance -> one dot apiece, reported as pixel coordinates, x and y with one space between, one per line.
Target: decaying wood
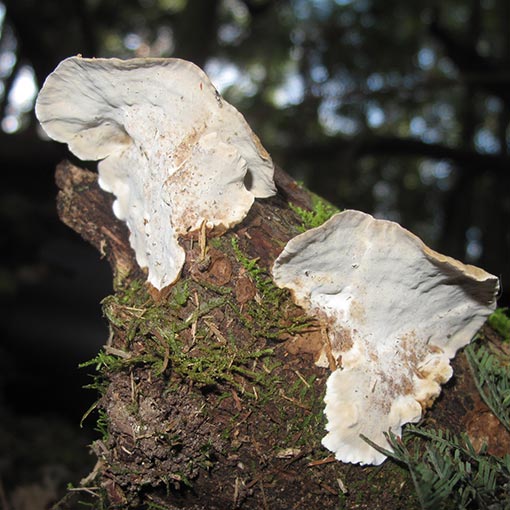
250 438
84 207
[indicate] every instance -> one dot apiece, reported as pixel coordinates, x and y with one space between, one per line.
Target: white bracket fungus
172 151
395 313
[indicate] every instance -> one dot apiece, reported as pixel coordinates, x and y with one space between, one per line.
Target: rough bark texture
208 393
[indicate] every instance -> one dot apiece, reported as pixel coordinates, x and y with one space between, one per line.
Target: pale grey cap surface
172 151
395 312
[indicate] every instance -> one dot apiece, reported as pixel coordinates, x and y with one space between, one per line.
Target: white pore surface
172 151
395 312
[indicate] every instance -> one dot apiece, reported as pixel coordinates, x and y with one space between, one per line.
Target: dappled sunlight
436 174
20 100
486 142
375 116
426 58
290 92
7 62
474 246
229 78
333 123
23 89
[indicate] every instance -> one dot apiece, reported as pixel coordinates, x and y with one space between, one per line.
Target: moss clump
269 292
321 211
306 427
266 314
500 322
158 334
206 364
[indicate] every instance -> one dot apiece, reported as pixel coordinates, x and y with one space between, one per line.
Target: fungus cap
172 151
395 313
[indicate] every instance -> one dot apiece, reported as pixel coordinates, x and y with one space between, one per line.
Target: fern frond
448 473
491 374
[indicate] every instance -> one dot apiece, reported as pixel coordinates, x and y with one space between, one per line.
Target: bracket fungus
394 311
171 150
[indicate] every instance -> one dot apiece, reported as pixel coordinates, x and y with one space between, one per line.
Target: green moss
135 317
266 316
176 339
500 322
214 364
103 361
304 428
260 276
217 242
321 211
180 294
102 425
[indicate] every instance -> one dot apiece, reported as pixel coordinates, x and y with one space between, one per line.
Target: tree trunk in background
209 397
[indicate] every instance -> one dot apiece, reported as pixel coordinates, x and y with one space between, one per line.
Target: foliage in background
396 108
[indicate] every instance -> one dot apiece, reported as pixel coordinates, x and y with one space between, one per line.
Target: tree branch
200 19
471 161
476 69
84 207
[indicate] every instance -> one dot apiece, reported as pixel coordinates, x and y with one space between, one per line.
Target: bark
209 397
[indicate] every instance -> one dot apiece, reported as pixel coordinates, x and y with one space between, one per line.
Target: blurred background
396 108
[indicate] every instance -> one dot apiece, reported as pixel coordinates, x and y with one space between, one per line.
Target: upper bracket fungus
172 151
395 312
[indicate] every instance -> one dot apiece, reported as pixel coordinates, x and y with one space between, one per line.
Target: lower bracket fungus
395 312
171 150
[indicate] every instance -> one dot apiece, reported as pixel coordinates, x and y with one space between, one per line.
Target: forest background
396 108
